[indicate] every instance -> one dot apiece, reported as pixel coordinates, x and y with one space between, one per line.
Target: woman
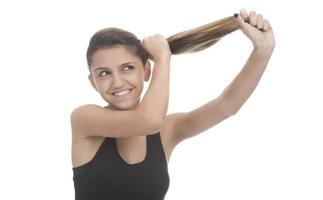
121 151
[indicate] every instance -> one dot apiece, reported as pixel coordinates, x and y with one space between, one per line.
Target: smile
122 93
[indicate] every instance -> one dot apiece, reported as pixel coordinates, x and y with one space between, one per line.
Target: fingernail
236 15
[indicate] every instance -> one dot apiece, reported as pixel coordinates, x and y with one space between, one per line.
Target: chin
123 106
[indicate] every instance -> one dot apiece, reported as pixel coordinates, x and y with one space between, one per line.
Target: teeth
122 93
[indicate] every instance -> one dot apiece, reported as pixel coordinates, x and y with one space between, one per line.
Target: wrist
263 50
163 59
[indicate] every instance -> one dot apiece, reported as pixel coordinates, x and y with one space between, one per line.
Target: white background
271 149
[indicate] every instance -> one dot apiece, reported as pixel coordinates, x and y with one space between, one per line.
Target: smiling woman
121 151
115 70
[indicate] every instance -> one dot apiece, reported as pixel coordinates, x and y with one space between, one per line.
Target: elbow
156 124
232 112
228 108
153 122
229 111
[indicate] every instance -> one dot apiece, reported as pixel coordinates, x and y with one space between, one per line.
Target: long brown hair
202 37
192 40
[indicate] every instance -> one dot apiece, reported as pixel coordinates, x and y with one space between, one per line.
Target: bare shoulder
84 107
83 146
84 110
76 128
78 112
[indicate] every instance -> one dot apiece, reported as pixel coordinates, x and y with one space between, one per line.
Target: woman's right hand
157 47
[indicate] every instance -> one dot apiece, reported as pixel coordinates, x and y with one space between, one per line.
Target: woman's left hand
257 29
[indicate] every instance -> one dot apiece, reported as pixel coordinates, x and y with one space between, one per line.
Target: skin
259 30
117 77
228 103
180 126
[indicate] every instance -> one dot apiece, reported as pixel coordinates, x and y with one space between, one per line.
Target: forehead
112 57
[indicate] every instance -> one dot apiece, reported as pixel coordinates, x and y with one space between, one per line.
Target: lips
113 93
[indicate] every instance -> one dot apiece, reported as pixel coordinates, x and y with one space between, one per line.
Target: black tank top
108 177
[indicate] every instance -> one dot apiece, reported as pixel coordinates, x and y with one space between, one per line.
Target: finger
240 21
260 21
266 25
253 18
270 27
244 14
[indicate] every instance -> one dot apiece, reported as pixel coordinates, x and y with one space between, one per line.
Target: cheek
103 85
137 80
140 86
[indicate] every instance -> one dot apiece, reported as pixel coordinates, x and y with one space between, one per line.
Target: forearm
155 102
239 90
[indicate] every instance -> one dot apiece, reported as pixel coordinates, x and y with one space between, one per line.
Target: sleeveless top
109 177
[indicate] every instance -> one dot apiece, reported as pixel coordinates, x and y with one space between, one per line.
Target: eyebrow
98 68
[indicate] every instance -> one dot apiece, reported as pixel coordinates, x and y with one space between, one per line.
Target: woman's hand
257 29
157 47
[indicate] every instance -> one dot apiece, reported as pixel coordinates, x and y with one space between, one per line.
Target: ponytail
202 37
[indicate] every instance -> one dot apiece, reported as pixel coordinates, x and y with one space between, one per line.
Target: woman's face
116 70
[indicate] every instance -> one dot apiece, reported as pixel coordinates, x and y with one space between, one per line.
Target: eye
100 74
129 66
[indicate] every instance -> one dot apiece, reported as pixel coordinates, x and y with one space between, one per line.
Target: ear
92 82
147 70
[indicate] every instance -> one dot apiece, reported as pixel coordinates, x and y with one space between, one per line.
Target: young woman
121 151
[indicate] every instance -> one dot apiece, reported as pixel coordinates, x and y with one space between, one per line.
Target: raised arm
261 35
189 124
155 101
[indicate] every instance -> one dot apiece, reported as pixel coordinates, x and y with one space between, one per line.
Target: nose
117 81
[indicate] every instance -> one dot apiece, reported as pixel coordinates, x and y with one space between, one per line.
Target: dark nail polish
236 15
